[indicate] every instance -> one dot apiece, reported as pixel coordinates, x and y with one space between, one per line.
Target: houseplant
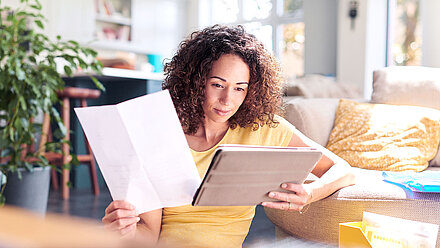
29 81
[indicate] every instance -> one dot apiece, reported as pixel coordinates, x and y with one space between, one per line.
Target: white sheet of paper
142 152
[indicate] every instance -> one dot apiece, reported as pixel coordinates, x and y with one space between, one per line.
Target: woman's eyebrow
224 80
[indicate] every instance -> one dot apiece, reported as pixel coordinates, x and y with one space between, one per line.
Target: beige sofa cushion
318 86
314 117
408 85
382 137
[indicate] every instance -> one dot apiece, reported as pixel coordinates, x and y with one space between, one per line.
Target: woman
226 89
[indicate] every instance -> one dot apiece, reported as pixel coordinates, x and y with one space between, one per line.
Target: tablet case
243 175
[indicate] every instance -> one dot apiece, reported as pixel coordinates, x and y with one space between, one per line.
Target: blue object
156 61
427 181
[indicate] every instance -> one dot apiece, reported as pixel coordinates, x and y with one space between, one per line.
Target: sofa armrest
314 117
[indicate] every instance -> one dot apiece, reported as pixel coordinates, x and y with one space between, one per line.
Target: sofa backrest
314 117
408 85
401 85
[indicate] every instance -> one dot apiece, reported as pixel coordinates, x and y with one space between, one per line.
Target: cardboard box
351 235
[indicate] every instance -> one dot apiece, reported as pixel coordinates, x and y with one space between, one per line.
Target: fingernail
263 204
138 219
271 194
283 185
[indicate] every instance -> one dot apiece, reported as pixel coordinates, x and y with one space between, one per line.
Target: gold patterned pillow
385 137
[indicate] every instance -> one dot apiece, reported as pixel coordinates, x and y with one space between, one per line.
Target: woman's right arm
122 217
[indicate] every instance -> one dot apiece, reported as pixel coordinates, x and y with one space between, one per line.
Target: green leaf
29 167
74 160
98 84
37 7
11 135
5 152
24 123
2 200
22 103
21 75
44 160
19 175
68 70
92 52
32 59
58 37
73 42
39 24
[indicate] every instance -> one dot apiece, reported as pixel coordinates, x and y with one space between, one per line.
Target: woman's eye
217 85
239 89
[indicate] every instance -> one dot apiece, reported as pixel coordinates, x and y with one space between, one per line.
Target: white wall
160 25
321 28
362 49
376 42
72 19
157 25
430 20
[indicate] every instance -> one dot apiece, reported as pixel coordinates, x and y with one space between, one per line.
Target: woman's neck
212 132
207 136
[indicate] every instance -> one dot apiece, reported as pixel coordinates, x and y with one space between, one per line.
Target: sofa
418 86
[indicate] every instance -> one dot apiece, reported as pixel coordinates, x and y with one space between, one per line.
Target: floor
83 203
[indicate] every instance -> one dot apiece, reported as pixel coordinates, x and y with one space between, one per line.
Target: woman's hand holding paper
122 217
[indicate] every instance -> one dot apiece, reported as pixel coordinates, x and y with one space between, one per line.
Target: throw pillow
385 137
408 85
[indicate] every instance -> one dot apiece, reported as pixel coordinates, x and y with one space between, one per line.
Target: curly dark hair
186 74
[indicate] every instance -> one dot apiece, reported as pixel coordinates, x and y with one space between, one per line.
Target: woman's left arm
333 173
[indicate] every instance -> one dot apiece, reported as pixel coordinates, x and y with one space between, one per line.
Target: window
277 23
406 33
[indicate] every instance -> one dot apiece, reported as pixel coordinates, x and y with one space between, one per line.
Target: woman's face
226 88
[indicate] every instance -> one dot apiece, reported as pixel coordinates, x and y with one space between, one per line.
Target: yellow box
351 235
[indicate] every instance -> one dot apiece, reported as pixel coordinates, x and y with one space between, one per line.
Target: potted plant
29 82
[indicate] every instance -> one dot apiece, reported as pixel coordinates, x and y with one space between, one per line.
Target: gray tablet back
243 176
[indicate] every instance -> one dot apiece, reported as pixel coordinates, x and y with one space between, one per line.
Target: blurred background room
327 48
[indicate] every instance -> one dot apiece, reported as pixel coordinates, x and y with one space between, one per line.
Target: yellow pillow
385 137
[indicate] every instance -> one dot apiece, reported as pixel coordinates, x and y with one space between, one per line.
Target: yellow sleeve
279 135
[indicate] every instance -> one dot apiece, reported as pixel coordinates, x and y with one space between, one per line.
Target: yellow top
200 226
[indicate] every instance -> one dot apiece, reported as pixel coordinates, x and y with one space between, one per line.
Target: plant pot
31 192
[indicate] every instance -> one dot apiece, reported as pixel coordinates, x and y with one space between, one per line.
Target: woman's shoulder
279 124
283 122
275 134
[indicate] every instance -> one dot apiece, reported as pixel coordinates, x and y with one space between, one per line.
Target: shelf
120 20
125 46
124 73
113 24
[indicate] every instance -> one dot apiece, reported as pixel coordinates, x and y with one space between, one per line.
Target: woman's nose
225 97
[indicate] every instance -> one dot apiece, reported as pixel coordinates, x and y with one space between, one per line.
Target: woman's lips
222 112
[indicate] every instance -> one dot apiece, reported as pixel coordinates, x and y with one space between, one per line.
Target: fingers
288 197
295 201
119 204
121 216
121 224
118 214
297 188
288 206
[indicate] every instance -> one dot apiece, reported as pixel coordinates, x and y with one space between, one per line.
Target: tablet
241 175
